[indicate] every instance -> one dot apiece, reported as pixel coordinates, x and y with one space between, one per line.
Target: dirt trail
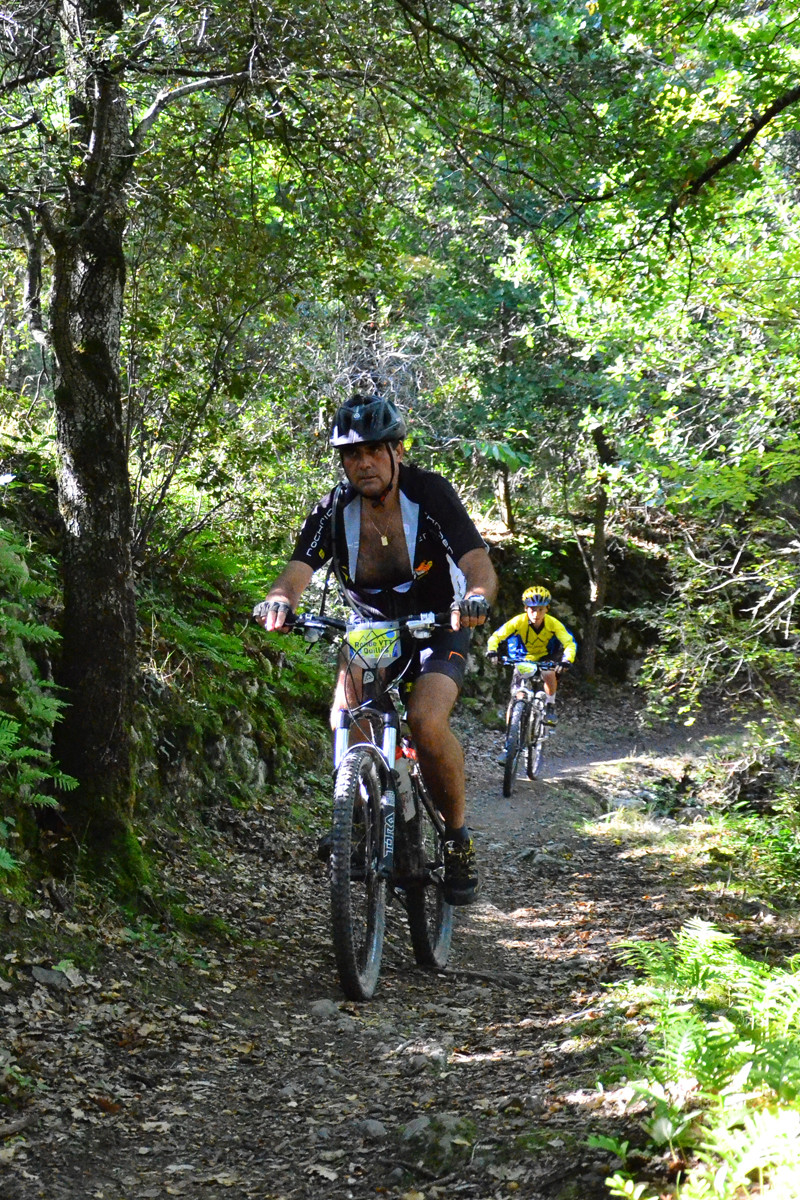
243 1073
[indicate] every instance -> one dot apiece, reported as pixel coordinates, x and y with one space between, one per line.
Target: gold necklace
383 534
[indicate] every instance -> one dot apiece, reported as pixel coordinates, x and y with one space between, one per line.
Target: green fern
7 861
8 736
746 1150
776 1065
722 1076
29 707
27 631
683 1041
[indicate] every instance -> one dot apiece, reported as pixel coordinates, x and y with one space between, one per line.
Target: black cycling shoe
325 846
460 872
550 715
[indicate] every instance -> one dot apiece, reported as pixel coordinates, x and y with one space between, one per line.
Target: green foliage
503 221
213 684
624 1187
16 1087
723 1069
28 706
767 848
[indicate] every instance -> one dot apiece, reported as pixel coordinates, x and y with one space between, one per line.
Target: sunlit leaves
725 1048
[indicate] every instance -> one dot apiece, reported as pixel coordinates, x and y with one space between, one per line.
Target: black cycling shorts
444 653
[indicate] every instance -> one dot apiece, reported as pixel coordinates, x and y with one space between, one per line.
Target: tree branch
736 151
163 99
31 120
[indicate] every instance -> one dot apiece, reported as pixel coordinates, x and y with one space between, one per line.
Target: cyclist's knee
429 730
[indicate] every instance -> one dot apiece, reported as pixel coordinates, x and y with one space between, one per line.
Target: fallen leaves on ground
174 1066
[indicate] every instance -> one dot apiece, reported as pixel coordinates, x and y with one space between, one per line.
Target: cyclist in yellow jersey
536 635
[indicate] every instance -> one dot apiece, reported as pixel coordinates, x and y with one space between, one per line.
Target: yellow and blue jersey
536 644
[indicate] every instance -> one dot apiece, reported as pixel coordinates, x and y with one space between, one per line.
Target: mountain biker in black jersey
401 543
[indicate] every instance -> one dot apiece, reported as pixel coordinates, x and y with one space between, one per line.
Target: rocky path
160 1069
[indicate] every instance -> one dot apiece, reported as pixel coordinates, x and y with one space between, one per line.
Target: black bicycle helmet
367 419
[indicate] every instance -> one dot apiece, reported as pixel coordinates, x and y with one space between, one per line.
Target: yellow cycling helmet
536 597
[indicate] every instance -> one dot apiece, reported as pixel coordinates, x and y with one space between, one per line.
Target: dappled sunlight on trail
247 1074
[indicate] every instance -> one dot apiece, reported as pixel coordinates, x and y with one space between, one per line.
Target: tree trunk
98 660
598 587
503 493
86 231
597 565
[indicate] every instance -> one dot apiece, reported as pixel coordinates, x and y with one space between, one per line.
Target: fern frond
683 1037
655 959
776 1064
778 1007
762 1145
41 800
7 861
27 631
64 782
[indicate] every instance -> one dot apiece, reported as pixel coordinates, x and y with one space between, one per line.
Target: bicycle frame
372 777
525 726
524 687
372 649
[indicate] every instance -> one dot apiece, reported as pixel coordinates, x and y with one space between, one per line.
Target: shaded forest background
564 237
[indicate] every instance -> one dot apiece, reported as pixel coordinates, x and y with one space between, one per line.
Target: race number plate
373 647
526 668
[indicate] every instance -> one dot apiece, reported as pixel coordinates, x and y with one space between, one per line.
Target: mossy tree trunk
85 228
99 613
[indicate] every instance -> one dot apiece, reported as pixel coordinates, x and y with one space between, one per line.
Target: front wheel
430 917
536 743
514 736
358 892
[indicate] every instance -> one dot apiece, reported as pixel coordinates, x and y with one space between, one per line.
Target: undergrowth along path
164 1067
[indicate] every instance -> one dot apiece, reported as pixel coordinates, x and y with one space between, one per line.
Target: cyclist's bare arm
481 582
284 595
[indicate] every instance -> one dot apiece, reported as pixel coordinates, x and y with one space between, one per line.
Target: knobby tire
514 737
430 917
358 893
536 743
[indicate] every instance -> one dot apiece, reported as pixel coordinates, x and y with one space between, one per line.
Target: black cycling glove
472 607
262 610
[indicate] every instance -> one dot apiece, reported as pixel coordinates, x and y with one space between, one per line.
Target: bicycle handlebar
305 623
543 664
297 622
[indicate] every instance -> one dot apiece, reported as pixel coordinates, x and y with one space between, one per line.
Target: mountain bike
387 833
526 729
